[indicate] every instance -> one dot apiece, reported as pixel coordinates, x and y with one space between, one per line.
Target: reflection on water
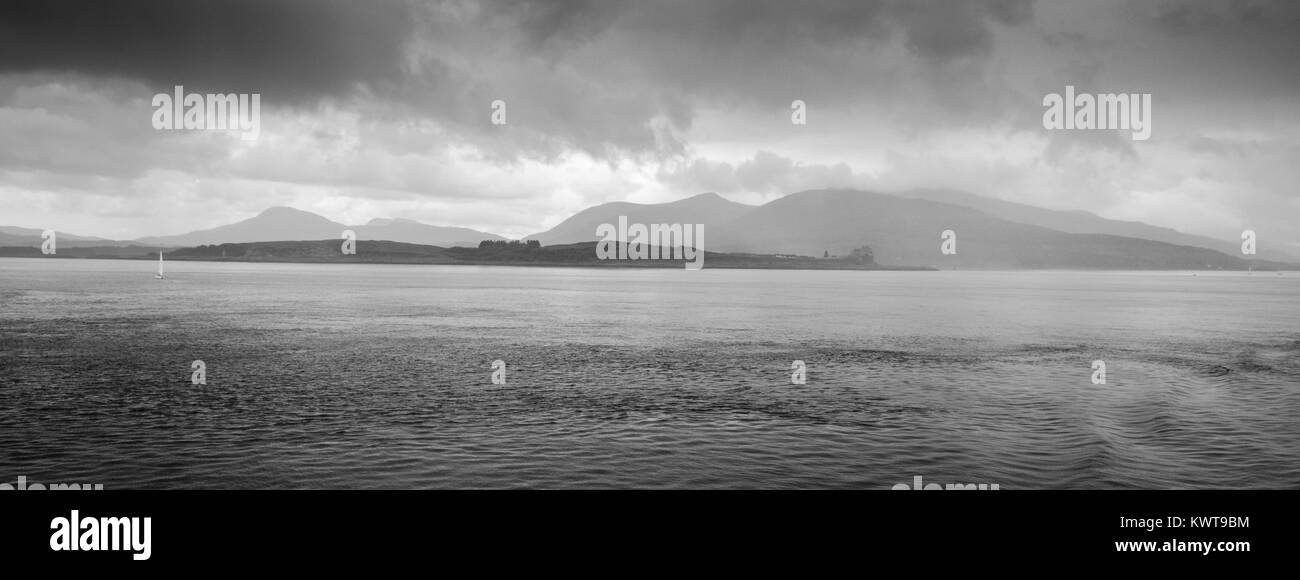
363 376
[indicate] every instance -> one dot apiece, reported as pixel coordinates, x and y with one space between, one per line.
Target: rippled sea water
378 376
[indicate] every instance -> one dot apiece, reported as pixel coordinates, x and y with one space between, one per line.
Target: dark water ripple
381 380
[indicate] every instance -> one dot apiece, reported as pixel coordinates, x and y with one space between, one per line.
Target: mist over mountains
1082 222
709 209
16 236
908 231
903 230
286 223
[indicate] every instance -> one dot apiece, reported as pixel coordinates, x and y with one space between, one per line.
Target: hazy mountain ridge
1082 222
286 223
414 232
709 209
903 230
273 224
908 231
31 237
25 232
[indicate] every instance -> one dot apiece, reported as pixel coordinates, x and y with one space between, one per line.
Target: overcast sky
383 109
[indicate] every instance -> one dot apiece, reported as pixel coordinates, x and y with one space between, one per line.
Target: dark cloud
550 24
1181 17
609 99
620 79
713 45
949 30
289 50
609 78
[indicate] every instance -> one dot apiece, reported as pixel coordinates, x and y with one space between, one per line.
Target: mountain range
16 236
1082 222
286 223
901 229
904 230
709 209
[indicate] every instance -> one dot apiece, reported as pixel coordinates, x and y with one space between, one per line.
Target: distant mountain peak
391 221
704 208
706 195
282 210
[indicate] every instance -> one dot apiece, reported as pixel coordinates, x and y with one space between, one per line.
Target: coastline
384 252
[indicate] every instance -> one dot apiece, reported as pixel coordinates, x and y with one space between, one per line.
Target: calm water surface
376 376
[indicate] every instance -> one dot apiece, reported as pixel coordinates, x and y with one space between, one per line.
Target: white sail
160 263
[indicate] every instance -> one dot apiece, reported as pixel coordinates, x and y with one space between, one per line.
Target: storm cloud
374 109
292 49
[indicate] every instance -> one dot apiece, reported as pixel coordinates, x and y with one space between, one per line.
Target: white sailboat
159 275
